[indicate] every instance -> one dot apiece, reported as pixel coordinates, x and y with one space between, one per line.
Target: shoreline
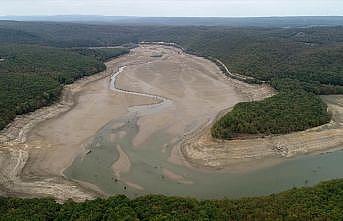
14 136
134 80
202 151
205 155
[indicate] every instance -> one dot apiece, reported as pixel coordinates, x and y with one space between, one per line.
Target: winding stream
161 102
150 171
148 162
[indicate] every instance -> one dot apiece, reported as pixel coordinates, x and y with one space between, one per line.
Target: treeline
103 54
294 110
22 93
297 71
297 62
307 54
322 202
319 66
32 76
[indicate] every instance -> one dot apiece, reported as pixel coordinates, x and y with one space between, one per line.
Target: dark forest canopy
32 76
307 54
293 21
322 202
285 112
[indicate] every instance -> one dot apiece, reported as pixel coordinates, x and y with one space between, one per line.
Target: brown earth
36 148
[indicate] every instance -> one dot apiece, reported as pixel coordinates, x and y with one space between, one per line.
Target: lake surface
147 169
149 160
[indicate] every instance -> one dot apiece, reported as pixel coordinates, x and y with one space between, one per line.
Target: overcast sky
173 8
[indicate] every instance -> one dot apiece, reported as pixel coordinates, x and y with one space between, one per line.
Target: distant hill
283 22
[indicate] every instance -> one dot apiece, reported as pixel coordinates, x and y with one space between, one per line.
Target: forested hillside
285 112
308 59
322 202
32 76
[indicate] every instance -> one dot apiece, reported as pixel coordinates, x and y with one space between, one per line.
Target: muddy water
149 160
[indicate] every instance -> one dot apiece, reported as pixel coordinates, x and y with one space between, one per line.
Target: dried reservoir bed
141 127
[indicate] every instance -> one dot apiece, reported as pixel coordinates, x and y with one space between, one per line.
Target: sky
174 8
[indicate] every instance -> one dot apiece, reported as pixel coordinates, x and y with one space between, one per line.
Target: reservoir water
149 161
145 168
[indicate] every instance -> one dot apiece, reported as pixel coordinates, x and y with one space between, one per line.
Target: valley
142 126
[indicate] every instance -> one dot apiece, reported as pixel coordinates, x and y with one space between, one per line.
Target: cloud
173 7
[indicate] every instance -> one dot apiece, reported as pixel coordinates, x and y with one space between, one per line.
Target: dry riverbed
156 112
37 147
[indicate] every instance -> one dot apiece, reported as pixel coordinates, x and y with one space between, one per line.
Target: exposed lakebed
122 131
146 166
149 161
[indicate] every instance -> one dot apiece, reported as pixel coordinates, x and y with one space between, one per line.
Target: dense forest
32 76
305 59
283 113
102 54
322 202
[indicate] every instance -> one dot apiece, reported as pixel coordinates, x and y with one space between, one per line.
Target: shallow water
148 160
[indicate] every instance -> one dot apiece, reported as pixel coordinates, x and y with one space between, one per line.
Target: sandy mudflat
175 98
192 91
175 177
204 151
61 139
195 85
123 164
37 147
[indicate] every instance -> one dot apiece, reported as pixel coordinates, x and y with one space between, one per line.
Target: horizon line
137 16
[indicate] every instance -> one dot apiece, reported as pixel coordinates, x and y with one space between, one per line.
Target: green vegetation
283 113
32 76
292 70
102 54
322 202
297 62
